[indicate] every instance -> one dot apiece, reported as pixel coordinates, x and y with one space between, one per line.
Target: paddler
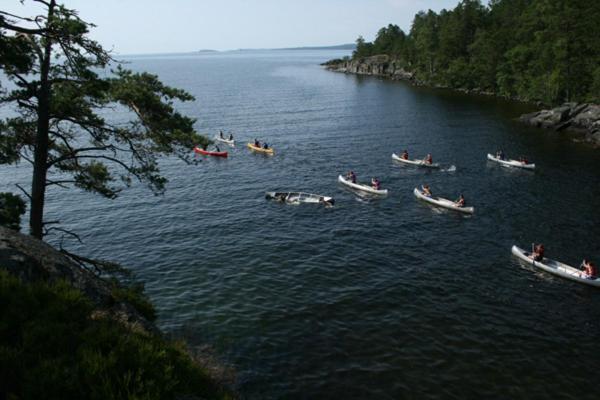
230 136
221 134
426 190
428 159
351 176
500 155
538 252
404 155
460 202
375 183
256 143
217 149
590 271
265 146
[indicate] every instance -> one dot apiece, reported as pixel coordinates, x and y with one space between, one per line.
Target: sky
153 26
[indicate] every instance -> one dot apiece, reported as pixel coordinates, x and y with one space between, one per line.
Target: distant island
347 46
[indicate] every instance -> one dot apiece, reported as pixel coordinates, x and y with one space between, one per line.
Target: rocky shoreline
582 119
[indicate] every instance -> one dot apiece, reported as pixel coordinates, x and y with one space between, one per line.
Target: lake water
374 298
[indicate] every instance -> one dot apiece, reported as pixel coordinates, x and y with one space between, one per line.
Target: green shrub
50 348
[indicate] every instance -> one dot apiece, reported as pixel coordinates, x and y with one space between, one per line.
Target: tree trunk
38 184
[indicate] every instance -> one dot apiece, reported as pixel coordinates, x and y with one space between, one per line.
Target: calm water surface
373 298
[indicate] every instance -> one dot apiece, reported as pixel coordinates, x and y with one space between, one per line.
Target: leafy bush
50 348
11 209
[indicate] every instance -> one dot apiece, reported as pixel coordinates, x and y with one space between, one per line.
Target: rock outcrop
380 65
583 119
33 260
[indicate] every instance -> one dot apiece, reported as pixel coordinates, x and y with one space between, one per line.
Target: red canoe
210 153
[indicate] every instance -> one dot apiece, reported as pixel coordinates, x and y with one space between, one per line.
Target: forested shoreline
543 51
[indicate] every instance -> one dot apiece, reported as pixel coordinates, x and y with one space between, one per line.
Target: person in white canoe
500 155
590 271
538 252
230 136
426 190
404 155
375 183
460 202
221 134
428 159
351 176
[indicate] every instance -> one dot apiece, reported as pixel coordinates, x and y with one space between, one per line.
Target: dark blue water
373 298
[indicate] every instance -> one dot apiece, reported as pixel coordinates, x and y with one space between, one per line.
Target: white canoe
420 163
229 142
556 268
364 188
511 163
438 201
299 197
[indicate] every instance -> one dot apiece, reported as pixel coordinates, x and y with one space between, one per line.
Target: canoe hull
440 202
555 268
268 151
210 153
226 141
511 163
418 163
299 197
363 188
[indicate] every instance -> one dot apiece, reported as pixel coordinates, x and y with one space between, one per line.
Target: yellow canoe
251 146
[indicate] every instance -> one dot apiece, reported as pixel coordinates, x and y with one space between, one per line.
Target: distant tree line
537 50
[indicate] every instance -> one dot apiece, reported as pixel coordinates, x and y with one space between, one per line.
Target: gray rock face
580 118
380 65
33 260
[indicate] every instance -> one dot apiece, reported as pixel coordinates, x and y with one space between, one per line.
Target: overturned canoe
299 197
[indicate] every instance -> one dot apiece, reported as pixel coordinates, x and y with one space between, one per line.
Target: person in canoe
590 271
426 191
256 143
428 159
326 203
217 149
404 155
500 155
230 136
523 160
460 202
351 176
221 134
265 146
538 252
375 183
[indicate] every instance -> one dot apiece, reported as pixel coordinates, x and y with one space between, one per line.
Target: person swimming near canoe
351 176
460 202
404 155
500 155
426 190
590 271
375 183
538 252
428 159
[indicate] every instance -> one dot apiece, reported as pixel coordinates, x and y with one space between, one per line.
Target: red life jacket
591 270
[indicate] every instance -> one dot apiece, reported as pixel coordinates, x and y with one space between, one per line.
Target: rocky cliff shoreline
582 119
